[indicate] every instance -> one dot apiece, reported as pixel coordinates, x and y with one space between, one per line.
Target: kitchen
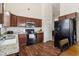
24 25
13 31
26 29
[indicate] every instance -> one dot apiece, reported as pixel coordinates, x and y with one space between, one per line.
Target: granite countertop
39 32
9 48
26 33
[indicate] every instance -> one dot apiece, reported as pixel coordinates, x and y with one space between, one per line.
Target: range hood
30 25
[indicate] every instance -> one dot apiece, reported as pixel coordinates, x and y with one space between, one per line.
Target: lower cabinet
23 39
40 37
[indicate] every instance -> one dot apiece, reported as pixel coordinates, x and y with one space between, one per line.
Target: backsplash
16 29
19 30
3 30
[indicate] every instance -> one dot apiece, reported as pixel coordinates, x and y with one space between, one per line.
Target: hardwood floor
41 49
72 51
48 49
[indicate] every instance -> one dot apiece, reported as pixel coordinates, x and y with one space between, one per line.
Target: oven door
31 39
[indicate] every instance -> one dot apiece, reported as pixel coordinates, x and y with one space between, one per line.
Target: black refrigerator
65 29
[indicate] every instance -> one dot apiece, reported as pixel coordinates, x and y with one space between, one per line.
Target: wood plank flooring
41 49
72 51
48 49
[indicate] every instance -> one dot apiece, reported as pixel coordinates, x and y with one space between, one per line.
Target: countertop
9 48
26 33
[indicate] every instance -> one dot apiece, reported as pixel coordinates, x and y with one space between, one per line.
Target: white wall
47 21
56 12
6 19
22 9
42 11
66 8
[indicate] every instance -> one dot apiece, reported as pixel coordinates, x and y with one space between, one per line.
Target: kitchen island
9 46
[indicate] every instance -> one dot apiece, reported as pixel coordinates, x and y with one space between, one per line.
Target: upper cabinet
13 20
1 18
19 20
68 16
37 22
1 13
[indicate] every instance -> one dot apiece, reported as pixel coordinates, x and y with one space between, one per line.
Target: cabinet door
62 17
72 15
1 12
13 20
39 37
20 20
1 18
22 39
38 23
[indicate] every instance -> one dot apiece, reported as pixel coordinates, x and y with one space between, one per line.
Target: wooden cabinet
38 22
20 20
22 40
72 15
62 17
40 37
13 20
1 12
1 18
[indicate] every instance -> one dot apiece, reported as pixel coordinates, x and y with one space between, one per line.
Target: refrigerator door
66 27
